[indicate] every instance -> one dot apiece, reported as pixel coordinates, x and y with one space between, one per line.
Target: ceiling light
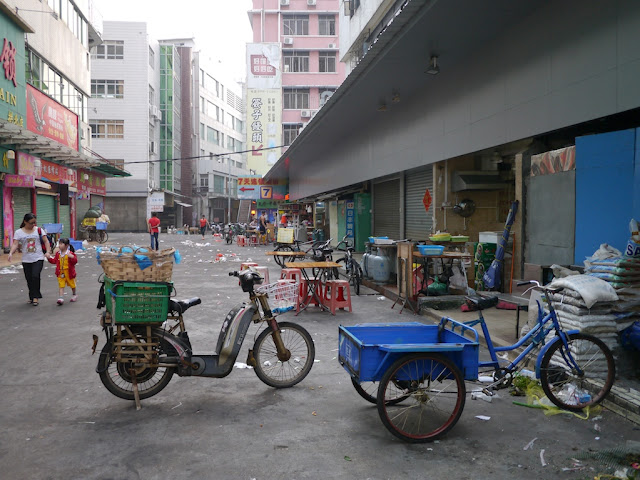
433 68
382 107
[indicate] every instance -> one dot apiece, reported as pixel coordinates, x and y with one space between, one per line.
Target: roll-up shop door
97 199
386 209
21 205
65 220
46 208
418 221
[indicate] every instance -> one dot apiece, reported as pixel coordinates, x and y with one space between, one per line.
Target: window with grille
109 50
295 98
295 25
290 132
204 180
327 62
296 61
107 128
107 88
327 25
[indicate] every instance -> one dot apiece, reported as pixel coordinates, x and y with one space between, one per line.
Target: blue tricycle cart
415 373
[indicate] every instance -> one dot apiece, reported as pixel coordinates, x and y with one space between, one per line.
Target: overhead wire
211 155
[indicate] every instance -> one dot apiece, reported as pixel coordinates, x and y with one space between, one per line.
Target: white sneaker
74 298
60 301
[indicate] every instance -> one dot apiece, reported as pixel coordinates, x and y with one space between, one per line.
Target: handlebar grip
233 274
519 284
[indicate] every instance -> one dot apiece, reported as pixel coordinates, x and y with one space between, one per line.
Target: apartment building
48 165
293 69
221 115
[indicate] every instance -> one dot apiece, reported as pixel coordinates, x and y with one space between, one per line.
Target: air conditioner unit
152 147
313 113
288 40
332 45
311 2
305 113
284 2
286 68
156 112
153 185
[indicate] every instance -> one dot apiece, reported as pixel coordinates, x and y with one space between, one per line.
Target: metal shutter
2 215
418 222
81 209
46 209
65 220
386 209
21 205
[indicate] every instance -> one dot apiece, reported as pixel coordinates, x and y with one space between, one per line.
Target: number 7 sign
266 192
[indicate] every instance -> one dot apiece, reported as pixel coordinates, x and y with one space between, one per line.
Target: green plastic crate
137 302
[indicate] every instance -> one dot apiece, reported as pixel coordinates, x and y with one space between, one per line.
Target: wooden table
445 256
283 256
312 286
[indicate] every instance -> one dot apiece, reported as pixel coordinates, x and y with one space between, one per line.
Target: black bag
42 244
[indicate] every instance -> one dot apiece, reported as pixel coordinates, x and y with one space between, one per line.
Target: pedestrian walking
154 231
204 223
65 261
33 243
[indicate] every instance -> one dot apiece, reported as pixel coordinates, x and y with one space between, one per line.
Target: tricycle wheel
284 374
434 390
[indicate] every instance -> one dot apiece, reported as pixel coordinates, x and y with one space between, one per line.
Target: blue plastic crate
76 244
367 351
52 227
430 249
101 225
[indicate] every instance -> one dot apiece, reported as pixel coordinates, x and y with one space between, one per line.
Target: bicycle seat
482 303
181 306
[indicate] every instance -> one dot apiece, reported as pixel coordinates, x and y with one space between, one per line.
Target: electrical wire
211 155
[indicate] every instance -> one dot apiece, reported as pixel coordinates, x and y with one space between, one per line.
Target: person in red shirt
203 225
154 223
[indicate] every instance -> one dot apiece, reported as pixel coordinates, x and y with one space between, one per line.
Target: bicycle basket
283 296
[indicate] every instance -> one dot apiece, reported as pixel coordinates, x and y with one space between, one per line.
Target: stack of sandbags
620 272
586 303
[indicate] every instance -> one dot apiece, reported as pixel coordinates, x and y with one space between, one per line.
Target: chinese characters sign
48 118
260 66
8 61
264 128
28 165
350 211
256 188
263 65
91 182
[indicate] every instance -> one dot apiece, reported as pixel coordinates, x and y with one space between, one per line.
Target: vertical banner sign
351 224
264 102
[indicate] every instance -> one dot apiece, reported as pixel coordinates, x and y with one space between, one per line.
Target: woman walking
32 239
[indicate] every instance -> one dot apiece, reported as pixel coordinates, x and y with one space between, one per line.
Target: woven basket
122 266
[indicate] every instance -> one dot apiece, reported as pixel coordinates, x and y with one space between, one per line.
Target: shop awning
19 138
39 184
183 204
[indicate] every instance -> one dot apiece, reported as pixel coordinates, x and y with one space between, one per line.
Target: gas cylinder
379 267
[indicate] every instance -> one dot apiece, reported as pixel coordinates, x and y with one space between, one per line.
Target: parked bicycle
317 251
139 360
352 268
420 390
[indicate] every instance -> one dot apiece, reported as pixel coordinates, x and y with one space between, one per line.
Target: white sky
221 28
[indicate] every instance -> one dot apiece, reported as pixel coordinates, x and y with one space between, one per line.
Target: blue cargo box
367 350
101 225
76 244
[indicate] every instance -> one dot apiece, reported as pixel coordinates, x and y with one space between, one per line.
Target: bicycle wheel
284 374
102 236
356 276
116 377
282 260
434 390
369 391
574 386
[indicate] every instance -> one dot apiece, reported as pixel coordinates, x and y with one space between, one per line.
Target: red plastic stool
338 295
253 240
246 265
292 273
304 291
241 241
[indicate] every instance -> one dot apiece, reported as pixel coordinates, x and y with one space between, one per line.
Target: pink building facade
307 31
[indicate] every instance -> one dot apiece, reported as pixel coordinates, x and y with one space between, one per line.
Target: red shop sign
48 118
91 182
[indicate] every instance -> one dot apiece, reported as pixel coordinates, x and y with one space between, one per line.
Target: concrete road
59 422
